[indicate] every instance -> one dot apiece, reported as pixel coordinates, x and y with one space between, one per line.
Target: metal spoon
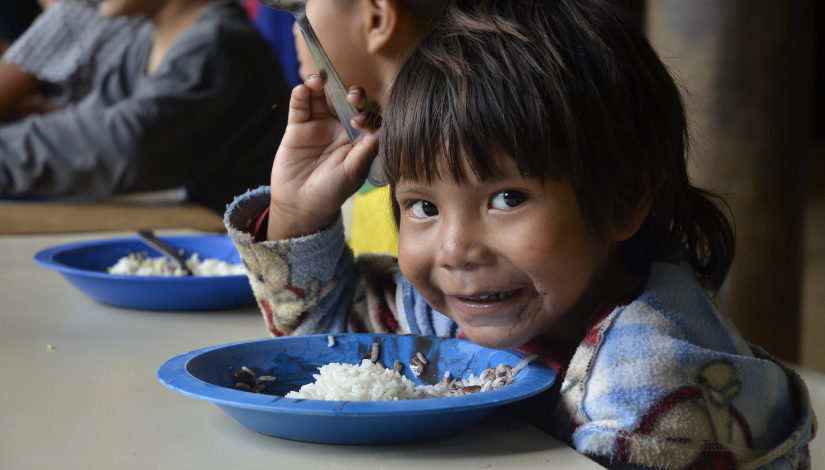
335 87
149 238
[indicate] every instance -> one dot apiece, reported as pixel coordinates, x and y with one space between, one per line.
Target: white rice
365 382
136 264
370 381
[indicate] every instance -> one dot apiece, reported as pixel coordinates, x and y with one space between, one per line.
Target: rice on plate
372 381
138 264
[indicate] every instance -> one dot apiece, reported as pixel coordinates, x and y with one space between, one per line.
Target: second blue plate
84 266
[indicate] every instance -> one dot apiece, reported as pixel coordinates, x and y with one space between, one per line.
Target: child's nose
462 246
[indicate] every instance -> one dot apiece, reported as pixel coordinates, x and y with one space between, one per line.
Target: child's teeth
491 297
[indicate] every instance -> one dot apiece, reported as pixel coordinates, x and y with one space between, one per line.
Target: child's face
508 260
339 27
365 40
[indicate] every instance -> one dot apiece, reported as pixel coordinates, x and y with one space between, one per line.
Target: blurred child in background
196 101
60 55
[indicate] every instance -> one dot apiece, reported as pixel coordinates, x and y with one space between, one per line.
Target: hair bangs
439 137
456 109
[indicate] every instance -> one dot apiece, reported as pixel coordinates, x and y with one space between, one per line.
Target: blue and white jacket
662 380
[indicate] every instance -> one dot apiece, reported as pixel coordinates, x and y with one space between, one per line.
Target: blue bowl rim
46 259
174 375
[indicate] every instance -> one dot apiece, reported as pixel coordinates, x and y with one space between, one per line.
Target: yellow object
373 228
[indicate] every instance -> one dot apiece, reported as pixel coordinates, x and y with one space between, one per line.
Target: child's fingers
307 101
367 120
357 162
318 99
299 105
357 97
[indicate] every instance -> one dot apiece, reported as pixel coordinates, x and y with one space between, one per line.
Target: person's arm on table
15 85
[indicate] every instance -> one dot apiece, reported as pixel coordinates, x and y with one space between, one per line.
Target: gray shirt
209 119
69 45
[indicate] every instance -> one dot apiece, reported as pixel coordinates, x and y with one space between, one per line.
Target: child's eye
424 209
508 199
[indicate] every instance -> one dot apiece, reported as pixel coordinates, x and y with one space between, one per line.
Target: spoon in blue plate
149 238
335 87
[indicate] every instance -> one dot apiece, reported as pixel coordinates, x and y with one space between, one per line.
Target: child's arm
303 285
313 285
316 168
16 85
304 276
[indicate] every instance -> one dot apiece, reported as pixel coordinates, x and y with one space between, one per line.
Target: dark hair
569 89
425 8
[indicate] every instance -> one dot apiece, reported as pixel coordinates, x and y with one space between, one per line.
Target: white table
94 400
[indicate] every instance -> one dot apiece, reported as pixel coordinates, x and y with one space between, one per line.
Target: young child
536 158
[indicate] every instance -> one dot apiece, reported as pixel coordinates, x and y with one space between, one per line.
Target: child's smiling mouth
498 307
485 298
489 308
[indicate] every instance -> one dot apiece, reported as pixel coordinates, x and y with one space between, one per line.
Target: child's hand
316 168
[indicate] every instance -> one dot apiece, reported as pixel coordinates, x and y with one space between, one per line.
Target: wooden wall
747 67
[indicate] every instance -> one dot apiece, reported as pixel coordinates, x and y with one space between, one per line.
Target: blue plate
207 374
84 265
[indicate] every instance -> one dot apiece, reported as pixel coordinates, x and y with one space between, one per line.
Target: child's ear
643 209
631 226
382 23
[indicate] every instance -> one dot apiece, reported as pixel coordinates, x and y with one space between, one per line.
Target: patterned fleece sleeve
313 284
